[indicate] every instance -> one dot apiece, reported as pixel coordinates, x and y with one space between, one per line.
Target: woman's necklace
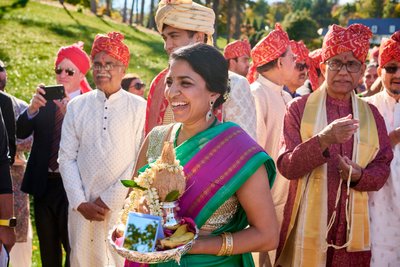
179 130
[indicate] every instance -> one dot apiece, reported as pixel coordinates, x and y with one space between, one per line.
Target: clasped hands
338 132
94 211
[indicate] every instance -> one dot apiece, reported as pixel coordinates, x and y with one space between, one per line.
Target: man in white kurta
274 62
101 135
384 204
240 107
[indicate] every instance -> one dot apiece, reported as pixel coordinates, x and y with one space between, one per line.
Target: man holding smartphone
42 179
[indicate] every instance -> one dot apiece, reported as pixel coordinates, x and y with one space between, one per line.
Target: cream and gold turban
186 15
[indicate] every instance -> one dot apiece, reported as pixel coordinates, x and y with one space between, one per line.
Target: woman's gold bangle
222 250
229 243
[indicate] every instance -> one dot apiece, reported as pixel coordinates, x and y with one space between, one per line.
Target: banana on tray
180 237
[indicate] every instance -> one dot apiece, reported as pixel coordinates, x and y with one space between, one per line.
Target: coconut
168 174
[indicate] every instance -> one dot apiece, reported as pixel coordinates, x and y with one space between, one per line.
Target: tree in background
343 13
321 12
370 8
124 11
391 9
300 26
151 23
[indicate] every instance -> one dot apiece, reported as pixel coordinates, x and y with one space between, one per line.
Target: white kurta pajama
384 204
271 100
99 144
239 107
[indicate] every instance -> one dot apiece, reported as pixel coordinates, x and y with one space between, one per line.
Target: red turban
354 38
300 50
269 48
315 60
237 49
374 53
390 49
76 54
112 45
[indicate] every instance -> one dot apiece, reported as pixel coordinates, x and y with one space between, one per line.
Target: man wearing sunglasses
42 178
102 134
133 84
300 69
335 149
384 204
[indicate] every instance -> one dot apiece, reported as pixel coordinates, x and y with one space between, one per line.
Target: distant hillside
32 32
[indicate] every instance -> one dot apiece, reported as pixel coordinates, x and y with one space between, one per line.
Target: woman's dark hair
209 63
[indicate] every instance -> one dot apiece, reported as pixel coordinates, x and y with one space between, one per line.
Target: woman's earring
210 112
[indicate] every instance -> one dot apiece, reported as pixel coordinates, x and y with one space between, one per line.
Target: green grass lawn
32 32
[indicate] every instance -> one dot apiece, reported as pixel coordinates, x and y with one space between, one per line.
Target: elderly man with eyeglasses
335 150
101 136
384 204
43 118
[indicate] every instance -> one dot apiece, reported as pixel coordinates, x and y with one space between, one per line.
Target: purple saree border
213 166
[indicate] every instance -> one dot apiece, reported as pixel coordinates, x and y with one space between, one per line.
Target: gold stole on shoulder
305 243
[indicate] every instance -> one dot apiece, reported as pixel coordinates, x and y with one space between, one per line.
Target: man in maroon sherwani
335 149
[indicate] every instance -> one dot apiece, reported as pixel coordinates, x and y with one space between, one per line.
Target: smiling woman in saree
228 174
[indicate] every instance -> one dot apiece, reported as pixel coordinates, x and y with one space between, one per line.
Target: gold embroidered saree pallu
305 242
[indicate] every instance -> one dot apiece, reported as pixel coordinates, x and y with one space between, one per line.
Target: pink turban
76 54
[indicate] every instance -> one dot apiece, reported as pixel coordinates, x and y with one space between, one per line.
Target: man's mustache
105 75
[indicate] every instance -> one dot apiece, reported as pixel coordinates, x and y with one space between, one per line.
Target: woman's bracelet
227 244
222 251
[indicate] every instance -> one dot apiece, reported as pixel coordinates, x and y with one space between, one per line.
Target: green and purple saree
217 162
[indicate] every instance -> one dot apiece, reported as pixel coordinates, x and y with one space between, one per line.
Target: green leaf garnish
172 196
132 183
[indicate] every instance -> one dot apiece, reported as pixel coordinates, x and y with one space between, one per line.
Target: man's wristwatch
12 222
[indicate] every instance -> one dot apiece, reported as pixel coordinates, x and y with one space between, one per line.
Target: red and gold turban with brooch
269 48
390 49
354 38
77 56
237 49
315 60
112 45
